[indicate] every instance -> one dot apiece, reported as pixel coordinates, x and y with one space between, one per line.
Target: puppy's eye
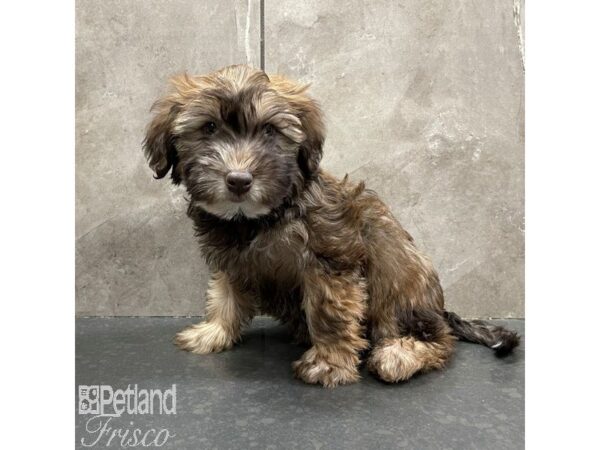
209 128
269 129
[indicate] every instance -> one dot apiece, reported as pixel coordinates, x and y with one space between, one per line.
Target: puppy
283 237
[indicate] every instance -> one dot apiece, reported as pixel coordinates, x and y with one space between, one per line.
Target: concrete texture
247 397
136 254
424 101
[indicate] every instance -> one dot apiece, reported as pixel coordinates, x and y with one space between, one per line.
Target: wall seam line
262 35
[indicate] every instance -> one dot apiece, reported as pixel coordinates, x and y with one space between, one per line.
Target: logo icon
89 399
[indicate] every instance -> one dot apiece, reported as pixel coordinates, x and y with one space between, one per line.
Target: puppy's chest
277 256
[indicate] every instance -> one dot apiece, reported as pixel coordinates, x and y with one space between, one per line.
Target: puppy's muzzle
238 182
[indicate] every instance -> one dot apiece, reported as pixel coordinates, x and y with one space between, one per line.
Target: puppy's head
241 142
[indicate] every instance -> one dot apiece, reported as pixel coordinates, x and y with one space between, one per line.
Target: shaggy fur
322 254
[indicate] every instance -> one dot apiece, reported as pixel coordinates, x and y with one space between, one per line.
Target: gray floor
247 397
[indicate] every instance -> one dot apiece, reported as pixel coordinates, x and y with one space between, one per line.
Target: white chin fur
228 210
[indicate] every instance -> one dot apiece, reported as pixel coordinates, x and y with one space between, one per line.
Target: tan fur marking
226 312
398 359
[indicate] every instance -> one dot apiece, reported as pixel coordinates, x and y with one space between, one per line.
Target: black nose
238 182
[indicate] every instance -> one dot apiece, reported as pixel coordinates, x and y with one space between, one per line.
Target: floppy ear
311 118
311 150
159 144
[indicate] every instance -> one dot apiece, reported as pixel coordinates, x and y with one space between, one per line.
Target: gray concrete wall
424 101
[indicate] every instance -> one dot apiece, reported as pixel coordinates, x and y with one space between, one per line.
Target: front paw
317 367
207 337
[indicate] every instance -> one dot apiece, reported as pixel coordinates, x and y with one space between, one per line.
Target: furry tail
501 340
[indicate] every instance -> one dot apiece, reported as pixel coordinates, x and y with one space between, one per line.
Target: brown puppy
283 237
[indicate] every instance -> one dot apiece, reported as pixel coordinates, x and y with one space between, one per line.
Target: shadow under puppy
283 237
